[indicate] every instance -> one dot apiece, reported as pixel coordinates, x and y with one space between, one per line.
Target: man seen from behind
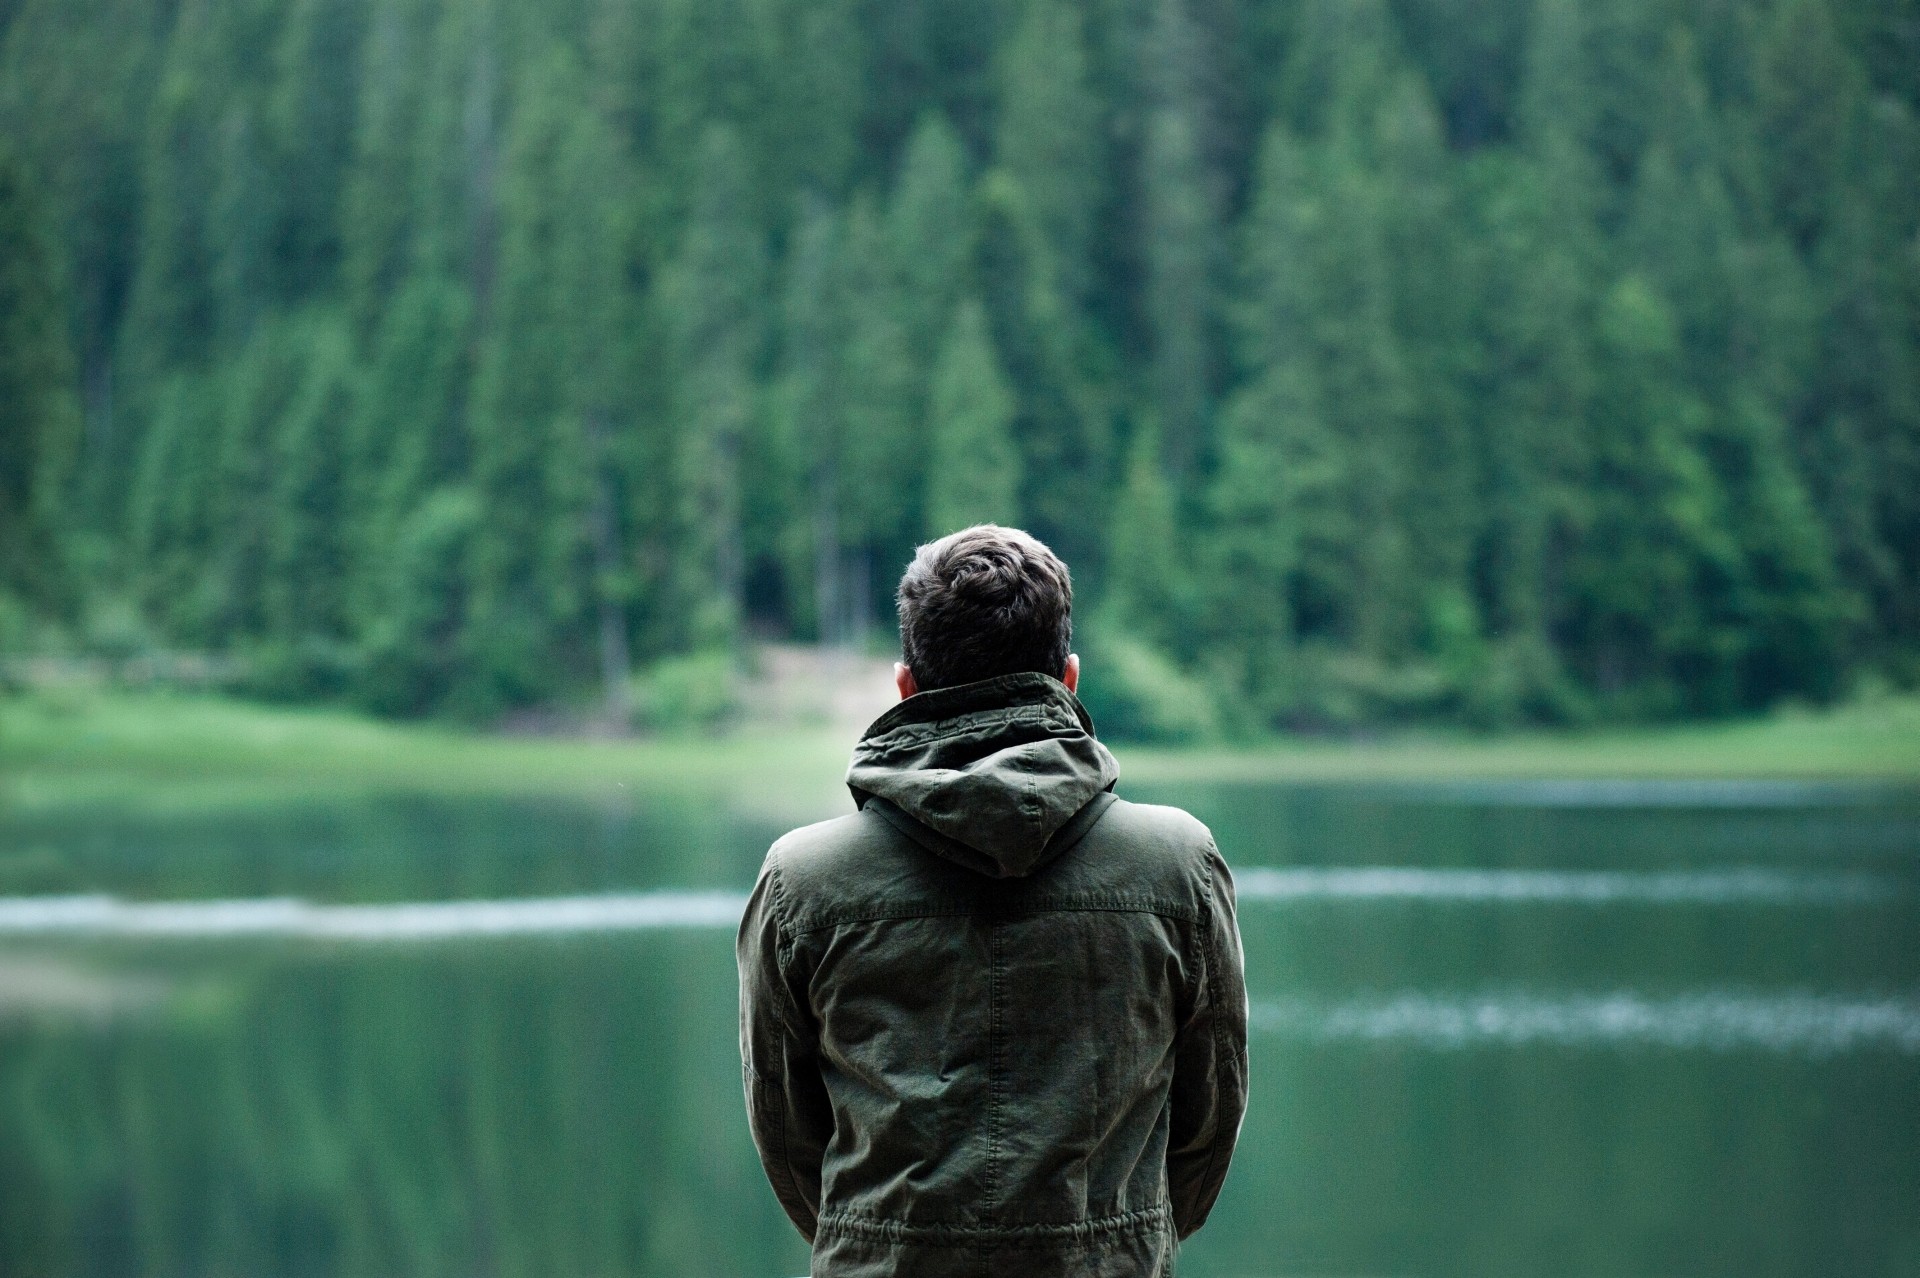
994 1022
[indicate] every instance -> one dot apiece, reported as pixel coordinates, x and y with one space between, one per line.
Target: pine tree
1340 65
1321 316
378 187
170 307
77 89
1039 209
973 469
1650 582
243 225
813 395
1793 612
515 634
814 86
929 237
236 511
713 304
588 473
172 506
39 412
455 158
415 648
1048 141
1808 98
883 456
1858 423
309 116
550 587
1059 366
306 569
1537 255
846 384
1274 527
1181 195
406 432
1144 576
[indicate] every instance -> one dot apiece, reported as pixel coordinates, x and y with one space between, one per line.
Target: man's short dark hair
982 602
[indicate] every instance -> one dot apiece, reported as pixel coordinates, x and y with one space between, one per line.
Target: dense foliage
1493 359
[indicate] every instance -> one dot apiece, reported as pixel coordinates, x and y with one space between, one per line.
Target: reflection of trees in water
386 848
564 1108
572 1106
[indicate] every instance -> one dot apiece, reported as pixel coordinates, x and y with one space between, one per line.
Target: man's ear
903 680
1071 675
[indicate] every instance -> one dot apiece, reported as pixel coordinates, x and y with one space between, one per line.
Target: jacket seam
784 1189
934 729
783 953
880 915
779 893
1217 1029
860 1225
995 1072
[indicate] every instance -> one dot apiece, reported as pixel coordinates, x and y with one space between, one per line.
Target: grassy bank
1878 740
77 746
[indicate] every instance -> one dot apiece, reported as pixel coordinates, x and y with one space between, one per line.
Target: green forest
1370 361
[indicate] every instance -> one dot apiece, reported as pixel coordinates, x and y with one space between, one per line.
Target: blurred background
456 452
1501 361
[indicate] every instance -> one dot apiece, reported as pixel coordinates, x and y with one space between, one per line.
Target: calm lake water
1512 1029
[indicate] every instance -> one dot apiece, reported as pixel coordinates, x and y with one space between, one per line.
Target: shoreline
196 750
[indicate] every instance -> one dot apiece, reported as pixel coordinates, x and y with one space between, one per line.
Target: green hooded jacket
994 1022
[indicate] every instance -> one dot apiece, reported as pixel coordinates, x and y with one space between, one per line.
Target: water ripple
1585 887
411 921
1799 1023
102 915
1627 792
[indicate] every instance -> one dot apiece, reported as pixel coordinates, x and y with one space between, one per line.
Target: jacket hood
991 774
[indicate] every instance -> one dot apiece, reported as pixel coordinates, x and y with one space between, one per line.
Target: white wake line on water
1627 792
1798 1023
411 921
1586 887
102 915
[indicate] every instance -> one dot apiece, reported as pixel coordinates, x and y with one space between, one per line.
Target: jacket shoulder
1171 830
819 854
859 866
822 838
1142 851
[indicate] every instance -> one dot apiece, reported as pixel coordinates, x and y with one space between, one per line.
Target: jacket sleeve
1210 1062
787 1104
